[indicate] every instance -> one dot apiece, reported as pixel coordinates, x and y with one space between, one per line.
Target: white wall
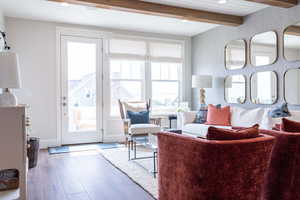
35 42
208 52
1 21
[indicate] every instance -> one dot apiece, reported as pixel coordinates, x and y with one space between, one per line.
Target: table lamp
9 77
202 81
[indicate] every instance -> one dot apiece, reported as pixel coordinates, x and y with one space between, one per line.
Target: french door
81 90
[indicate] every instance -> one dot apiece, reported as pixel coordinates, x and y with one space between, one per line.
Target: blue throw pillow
138 117
280 111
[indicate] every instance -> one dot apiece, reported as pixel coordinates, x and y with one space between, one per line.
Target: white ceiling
234 7
52 11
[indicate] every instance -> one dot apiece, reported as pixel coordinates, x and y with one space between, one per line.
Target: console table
13 148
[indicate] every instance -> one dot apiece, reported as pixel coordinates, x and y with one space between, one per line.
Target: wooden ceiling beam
156 9
278 3
293 30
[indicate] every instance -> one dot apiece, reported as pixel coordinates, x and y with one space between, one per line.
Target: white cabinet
13 148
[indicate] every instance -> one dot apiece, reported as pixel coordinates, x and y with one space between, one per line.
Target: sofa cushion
218 116
198 130
188 117
214 133
135 107
241 117
136 129
290 126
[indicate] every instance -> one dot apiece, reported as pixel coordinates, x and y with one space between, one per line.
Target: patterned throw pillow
201 116
280 111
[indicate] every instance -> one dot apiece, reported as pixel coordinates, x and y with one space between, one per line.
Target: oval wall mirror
235 89
291 41
263 49
264 87
235 54
292 86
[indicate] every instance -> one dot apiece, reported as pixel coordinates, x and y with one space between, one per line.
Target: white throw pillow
248 117
188 117
135 107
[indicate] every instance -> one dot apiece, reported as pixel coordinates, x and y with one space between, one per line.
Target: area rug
83 147
137 170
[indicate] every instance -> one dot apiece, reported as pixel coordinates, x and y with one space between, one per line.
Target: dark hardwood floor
80 176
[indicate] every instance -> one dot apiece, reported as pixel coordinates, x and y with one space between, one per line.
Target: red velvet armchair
199 169
283 177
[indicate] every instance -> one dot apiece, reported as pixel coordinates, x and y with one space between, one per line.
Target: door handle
64 99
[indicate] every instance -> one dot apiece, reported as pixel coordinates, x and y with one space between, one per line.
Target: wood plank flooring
82 175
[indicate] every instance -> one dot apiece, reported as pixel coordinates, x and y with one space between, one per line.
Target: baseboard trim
44 144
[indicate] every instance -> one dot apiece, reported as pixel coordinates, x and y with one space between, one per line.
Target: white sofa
240 117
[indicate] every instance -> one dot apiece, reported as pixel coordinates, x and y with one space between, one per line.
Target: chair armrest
126 124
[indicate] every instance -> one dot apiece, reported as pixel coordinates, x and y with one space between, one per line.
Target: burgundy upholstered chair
199 169
283 177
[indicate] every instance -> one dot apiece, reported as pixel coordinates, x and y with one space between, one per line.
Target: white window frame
147 85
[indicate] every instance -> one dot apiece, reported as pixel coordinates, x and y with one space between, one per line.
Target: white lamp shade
201 81
9 70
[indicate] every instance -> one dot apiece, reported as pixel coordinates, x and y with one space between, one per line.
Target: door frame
64 31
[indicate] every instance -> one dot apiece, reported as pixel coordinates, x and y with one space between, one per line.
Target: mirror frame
277 89
283 49
246 53
245 88
277 49
284 91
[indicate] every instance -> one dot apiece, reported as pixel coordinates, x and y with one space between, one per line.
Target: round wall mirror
263 49
264 87
235 89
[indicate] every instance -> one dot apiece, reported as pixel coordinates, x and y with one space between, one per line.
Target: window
141 70
81 59
126 81
165 87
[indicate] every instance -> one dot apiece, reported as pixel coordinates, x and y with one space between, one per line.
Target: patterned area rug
138 170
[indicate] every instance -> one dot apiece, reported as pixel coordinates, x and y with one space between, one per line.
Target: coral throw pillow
218 116
230 134
290 126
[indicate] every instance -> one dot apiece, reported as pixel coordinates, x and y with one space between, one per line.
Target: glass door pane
82 86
